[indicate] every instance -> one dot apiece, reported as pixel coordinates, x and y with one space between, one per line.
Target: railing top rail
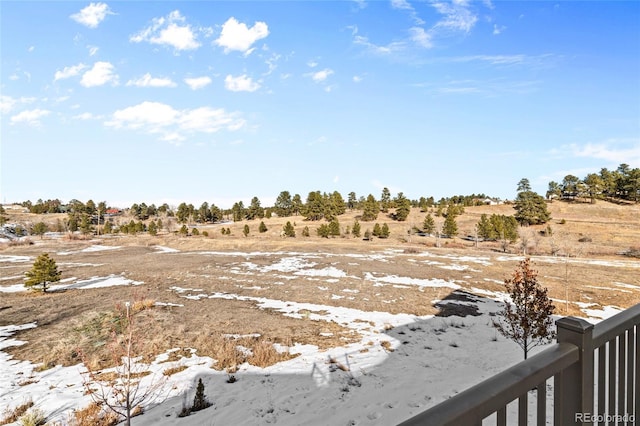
485 398
614 326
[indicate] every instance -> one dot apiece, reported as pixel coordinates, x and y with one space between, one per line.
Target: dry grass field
209 288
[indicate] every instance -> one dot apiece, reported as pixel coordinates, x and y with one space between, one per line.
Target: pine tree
403 208
355 231
531 208
40 229
429 225
385 200
305 231
152 228
3 216
289 230
44 271
195 231
384 231
184 231
450 227
334 228
370 209
527 318
323 231
200 400
262 228
245 230
377 230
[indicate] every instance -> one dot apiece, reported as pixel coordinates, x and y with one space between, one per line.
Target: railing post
576 406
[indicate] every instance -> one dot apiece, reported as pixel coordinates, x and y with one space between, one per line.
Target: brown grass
12 415
93 415
82 320
173 370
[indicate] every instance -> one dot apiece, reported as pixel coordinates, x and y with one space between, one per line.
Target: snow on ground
89 249
71 283
401 365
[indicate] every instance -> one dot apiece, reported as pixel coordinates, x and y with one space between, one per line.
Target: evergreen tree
370 209
85 224
403 207
323 231
184 231
200 400
108 227
195 231
44 271
245 230
531 208
334 228
254 210
385 200
296 204
527 319
183 213
289 230
3 216
238 211
284 204
215 213
338 206
314 208
429 225
384 231
223 231
352 201
153 228
262 228
377 231
305 231
355 231
40 229
450 227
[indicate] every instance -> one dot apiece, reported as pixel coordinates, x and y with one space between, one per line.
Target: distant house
491 201
113 211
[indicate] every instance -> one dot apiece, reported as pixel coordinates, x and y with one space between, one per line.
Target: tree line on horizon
620 184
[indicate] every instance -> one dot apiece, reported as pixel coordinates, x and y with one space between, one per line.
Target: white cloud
31 49
172 124
93 50
312 64
197 82
457 16
148 81
237 36
615 151
242 83
67 72
170 31
377 49
421 37
321 75
30 117
92 15
14 77
498 29
6 103
401 4
357 79
101 73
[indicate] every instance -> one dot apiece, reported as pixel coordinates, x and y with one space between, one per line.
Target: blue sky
164 101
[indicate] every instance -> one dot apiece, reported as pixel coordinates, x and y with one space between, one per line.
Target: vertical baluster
541 413
630 366
557 399
502 416
613 357
522 409
602 382
622 375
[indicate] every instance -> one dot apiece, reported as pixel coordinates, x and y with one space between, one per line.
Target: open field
303 296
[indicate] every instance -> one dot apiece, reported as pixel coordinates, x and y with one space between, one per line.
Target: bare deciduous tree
527 318
121 390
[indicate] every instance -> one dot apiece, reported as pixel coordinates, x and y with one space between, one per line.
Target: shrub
10 416
34 417
200 400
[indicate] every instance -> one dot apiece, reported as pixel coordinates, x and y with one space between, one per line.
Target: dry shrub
173 370
77 237
93 415
386 345
633 252
33 417
11 416
265 354
141 305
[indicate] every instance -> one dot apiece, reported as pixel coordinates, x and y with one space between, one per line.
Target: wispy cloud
387 49
493 87
241 83
148 81
169 31
616 151
320 76
87 116
100 74
171 124
196 83
457 16
67 72
237 36
498 29
7 103
92 15
421 37
30 117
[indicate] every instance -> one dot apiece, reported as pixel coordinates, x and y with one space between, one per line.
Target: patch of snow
604 313
163 249
90 249
394 279
15 259
168 304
